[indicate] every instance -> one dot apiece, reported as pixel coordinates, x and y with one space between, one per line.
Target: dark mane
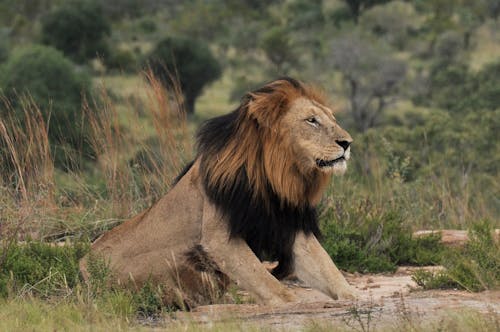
258 214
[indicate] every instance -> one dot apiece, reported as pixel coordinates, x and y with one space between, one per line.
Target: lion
249 195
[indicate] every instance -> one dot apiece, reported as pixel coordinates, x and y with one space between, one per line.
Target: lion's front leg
314 266
235 259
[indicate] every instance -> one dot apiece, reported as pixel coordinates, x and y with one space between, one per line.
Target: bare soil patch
384 299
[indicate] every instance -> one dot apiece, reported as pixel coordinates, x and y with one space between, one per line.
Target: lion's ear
266 108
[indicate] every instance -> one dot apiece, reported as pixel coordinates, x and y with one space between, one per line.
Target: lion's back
163 233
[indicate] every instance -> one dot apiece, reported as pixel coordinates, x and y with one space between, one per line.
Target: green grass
475 267
39 269
359 237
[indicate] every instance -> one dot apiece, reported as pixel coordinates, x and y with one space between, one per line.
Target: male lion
249 194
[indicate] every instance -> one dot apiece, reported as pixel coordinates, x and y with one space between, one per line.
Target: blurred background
92 93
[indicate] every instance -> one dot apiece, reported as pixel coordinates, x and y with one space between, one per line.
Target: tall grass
437 196
130 172
27 171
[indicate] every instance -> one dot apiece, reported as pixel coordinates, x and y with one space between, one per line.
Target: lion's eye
312 121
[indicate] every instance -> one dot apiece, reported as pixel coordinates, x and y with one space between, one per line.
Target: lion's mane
252 177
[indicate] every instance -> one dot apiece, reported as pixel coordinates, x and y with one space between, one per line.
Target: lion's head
284 136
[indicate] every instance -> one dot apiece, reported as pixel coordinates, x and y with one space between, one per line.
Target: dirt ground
383 300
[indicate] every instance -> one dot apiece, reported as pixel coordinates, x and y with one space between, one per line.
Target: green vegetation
38 268
186 62
360 238
39 79
78 29
475 267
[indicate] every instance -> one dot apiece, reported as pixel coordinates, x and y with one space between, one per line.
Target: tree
371 78
394 21
278 48
454 87
43 75
358 6
78 28
188 60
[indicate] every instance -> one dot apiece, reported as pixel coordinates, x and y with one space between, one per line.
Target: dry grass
131 172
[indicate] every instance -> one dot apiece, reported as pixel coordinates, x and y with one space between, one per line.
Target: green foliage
121 61
148 300
456 96
189 61
488 87
39 268
366 240
45 270
452 86
4 46
278 48
371 78
304 14
41 75
475 267
99 274
445 139
398 164
147 25
433 280
394 22
77 28
358 6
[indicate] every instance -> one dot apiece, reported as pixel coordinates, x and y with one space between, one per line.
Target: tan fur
282 151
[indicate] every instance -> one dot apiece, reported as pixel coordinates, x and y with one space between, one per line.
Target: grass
365 239
475 267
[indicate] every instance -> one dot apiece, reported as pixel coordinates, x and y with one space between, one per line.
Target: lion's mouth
328 163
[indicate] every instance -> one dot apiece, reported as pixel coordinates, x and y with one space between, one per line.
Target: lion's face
315 137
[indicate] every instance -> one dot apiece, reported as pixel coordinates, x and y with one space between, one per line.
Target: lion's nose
343 144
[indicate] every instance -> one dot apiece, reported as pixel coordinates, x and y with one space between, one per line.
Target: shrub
488 86
475 267
120 60
453 86
78 28
4 46
448 46
188 59
44 76
365 239
277 45
393 21
47 266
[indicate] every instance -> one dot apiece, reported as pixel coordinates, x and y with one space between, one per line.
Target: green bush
44 76
120 60
433 280
451 86
39 268
277 46
488 86
4 46
475 267
188 60
455 88
363 239
77 28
